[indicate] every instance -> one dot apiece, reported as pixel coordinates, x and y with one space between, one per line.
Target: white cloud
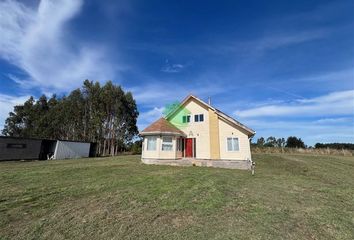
295 125
152 114
154 96
36 41
311 131
148 117
7 104
339 120
172 67
334 76
332 98
277 41
157 94
254 48
336 103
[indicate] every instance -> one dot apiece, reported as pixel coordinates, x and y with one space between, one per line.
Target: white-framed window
167 144
199 118
151 143
178 144
186 119
232 144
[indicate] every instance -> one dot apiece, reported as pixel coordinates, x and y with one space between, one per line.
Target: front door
189 148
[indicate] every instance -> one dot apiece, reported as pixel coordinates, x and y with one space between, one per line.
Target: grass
290 197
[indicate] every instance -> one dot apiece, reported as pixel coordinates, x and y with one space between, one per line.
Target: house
195 133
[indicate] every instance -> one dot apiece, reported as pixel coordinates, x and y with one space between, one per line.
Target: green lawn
290 197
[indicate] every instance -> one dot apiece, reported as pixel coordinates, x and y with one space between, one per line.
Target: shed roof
162 126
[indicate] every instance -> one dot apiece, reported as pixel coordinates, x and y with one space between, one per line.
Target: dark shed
12 148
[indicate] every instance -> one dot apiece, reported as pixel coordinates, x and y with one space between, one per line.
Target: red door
189 147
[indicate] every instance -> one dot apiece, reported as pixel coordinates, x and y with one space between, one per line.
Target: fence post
253 167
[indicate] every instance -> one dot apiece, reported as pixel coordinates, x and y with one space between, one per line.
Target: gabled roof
218 112
162 126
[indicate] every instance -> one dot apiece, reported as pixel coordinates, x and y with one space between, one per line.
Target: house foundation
230 164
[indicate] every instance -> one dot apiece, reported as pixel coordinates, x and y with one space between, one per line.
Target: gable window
199 118
186 119
233 144
167 144
151 143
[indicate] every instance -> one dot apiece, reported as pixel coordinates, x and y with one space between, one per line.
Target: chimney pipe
209 100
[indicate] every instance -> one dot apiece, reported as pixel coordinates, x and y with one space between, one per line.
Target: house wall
149 154
198 130
158 153
214 135
227 130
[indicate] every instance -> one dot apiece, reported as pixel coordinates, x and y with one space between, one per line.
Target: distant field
290 197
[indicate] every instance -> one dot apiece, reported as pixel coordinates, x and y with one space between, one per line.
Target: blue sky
281 67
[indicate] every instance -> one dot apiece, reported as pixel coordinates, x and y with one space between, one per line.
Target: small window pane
236 145
196 118
233 144
184 119
229 144
188 118
151 144
178 147
167 144
201 118
167 139
166 147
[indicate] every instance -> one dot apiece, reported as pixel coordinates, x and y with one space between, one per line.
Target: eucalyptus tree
103 114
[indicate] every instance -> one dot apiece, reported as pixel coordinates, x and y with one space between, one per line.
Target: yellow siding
214 135
227 130
211 136
197 130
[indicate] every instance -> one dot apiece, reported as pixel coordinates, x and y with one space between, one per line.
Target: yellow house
195 133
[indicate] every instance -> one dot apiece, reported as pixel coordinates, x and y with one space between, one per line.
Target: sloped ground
290 197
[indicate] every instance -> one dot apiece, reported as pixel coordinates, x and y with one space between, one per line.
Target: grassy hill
290 197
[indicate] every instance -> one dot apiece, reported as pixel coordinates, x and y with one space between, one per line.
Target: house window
180 144
199 118
233 145
186 119
167 144
151 144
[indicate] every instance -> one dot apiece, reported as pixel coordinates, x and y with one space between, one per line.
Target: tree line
349 146
290 142
104 114
295 142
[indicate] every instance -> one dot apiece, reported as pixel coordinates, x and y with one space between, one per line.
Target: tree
135 147
260 142
294 142
281 142
20 121
271 142
349 146
106 115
